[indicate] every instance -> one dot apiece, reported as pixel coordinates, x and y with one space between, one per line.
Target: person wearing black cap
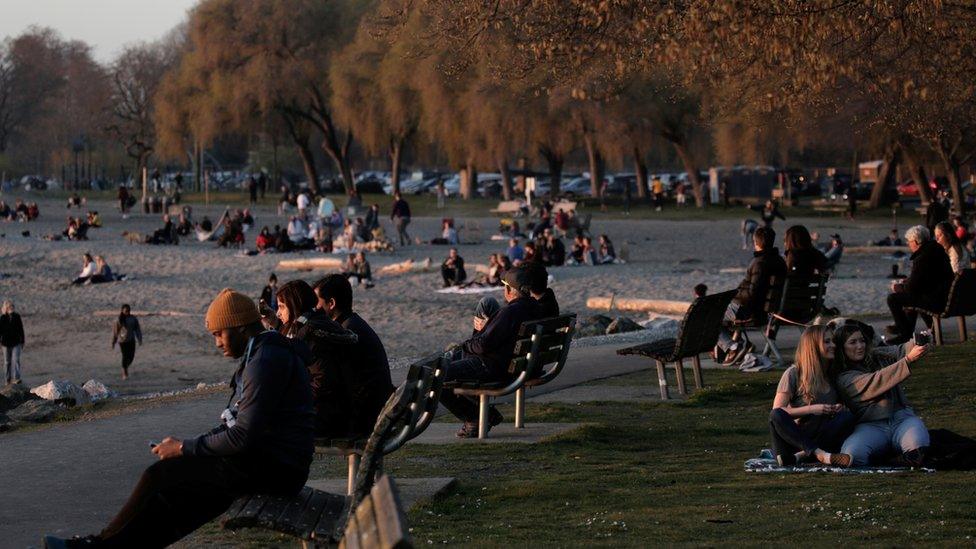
541 292
485 356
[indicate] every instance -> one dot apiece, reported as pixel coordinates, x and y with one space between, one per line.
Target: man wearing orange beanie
263 445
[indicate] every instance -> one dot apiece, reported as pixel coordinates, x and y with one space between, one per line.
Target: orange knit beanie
231 309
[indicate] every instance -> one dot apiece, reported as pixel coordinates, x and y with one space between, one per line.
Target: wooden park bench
508 207
960 303
424 379
697 334
318 518
541 343
796 303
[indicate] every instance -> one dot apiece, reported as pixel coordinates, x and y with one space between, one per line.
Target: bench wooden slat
272 510
547 341
390 520
350 540
309 518
249 514
545 357
366 521
549 325
328 523
235 509
290 517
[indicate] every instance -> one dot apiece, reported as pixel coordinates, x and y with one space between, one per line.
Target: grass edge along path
671 473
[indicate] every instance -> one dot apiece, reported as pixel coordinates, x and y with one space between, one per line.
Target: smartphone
152 444
921 337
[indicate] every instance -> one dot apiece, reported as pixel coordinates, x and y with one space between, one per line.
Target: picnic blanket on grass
766 463
469 290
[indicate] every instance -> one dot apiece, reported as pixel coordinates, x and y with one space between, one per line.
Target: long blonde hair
811 363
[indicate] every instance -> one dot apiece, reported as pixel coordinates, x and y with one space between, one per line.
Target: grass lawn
671 473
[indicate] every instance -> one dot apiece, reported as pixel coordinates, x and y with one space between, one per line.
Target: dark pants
468 368
128 354
176 496
452 275
905 320
826 433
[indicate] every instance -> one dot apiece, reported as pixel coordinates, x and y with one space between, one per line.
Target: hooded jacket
366 379
766 271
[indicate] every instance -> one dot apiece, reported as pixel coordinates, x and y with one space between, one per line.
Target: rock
35 411
595 325
97 390
201 386
61 390
623 324
662 327
5 424
13 396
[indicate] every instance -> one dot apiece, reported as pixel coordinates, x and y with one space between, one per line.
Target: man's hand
169 448
479 323
917 352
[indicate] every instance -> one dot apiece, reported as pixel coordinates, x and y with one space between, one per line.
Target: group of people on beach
20 211
95 270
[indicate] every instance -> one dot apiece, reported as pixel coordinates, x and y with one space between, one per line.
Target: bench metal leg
696 369
520 408
962 329
662 380
353 460
482 416
937 328
679 372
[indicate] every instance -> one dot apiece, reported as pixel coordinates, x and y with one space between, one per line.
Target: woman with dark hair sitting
802 259
945 235
869 380
330 345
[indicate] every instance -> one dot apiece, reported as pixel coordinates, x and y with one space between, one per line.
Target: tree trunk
595 161
396 150
522 164
916 171
886 175
640 169
691 169
950 161
308 162
506 179
469 181
555 162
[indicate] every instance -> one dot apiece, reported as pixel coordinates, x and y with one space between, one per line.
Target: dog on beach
132 238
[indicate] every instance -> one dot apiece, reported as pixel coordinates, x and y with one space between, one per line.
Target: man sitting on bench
264 444
485 356
927 285
767 268
365 381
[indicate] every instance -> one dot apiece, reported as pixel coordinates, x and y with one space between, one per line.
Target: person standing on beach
126 333
400 215
124 201
12 340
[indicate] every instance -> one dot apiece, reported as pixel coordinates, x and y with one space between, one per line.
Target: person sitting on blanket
264 241
766 271
807 421
485 357
163 235
492 278
263 444
452 269
94 220
103 273
869 382
606 254
891 240
87 270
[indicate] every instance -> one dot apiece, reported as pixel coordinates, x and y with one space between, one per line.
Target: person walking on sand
12 340
126 333
400 215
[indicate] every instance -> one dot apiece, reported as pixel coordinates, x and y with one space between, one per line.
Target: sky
106 25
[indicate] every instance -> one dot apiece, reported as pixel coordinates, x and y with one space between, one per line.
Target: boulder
623 324
97 390
61 390
35 411
662 327
5 424
595 325
13 396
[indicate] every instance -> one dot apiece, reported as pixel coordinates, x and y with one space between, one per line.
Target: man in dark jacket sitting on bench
264 444
485 356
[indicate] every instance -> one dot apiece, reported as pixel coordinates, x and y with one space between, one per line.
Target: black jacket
367 381
274 419
496 343
931 276
766 270
11 330
555 254
548 306
805 262
400 209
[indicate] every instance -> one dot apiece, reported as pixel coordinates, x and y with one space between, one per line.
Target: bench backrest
702 324
378 521
962 294
541 343
800 299
428 401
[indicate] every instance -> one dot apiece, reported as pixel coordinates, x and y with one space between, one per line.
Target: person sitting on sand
606 255
87 270
373 218
323 240
184 227
296 230
485 356
834 252
247 220
531 255
490 278
802 259
233 232
75 201
891 240
264 241
6 214
20 210
869 380
553 249
103 273
206 224
165 235
367 384
94 220
515 252
449 236
452 269
362 270
807 419
264 444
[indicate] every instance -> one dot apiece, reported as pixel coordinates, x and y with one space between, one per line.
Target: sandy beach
69 328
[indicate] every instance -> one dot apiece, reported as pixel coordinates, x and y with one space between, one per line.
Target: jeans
401 227
824 432
749 227
176 496
873 440
468 368
128 354
735 312
11 362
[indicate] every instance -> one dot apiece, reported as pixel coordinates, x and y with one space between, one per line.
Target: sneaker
840 460
468 430
737 356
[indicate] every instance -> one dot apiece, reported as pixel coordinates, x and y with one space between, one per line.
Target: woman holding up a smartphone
807 420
